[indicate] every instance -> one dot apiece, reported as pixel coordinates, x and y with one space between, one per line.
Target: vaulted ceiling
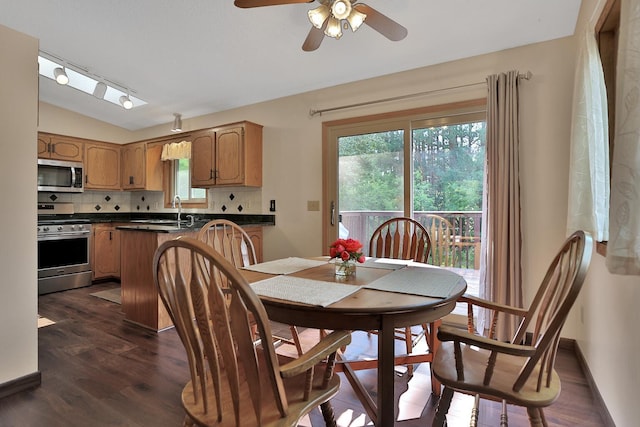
202 56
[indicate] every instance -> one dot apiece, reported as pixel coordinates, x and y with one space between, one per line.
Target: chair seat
504 376
294 388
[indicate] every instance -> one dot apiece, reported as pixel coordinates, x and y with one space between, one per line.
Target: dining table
383 295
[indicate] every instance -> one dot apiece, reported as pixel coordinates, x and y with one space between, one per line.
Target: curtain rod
525 76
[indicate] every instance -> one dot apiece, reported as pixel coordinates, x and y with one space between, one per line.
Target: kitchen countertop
136 217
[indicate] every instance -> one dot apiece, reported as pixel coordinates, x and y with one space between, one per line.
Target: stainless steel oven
63 255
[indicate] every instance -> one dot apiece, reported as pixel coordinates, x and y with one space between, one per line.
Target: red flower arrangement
347 249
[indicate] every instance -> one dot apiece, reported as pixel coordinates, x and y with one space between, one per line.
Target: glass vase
345 268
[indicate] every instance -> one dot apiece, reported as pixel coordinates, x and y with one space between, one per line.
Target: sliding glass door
427 166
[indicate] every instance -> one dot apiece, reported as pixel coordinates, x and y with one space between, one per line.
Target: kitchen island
141 302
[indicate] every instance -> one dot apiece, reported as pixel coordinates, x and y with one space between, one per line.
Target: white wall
18 252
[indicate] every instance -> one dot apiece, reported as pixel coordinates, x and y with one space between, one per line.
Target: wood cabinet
60 147
102 166
141 167
227 156
105 255
255 233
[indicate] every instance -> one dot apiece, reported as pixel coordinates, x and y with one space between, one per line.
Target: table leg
386 374
435 344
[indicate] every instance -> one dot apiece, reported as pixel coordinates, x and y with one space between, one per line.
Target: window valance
176 150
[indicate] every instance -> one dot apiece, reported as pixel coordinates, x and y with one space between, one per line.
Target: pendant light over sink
332 16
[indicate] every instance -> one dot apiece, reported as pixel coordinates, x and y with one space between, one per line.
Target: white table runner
306 291
424 281
285 265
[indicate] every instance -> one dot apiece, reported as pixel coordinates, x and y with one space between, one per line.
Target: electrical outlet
313 205
272 206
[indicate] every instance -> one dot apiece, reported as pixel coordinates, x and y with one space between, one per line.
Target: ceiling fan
331 16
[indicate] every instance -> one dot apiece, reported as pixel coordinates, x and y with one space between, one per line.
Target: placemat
386 263
424 281
306 291
285 265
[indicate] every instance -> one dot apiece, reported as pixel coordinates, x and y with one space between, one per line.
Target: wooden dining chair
235 382
520 372
404 238
236 246
443 244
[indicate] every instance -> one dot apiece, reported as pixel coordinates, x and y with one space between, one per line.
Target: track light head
126 102
100 90
61 76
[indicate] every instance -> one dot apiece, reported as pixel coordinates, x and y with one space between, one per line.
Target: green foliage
448 168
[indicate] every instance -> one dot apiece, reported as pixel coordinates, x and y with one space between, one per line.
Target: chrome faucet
173 205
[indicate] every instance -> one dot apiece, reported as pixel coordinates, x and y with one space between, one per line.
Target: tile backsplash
231 200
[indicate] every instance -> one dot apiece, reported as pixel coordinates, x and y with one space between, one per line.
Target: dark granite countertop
200 218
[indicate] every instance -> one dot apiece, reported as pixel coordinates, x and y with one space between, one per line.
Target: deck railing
457 237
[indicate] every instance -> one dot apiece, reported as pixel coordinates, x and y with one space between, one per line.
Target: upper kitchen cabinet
227 156
60 147
141 167
102 166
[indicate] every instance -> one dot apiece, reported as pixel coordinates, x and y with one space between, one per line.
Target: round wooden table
366 310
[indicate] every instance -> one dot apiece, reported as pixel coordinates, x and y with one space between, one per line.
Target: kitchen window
180 184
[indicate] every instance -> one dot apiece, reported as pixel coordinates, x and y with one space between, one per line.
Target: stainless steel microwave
60 176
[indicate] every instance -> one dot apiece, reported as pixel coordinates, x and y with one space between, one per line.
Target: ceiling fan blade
259 3
314 38
382 23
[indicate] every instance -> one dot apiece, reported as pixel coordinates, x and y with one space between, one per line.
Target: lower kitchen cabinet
255 233
105 258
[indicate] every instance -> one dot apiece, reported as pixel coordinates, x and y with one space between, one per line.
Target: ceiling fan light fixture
334 29
126 102
356 19
318 15
61 76
341 9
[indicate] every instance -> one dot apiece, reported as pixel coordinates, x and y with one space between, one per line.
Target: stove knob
38 229
73 227
60 228
45 229
80 227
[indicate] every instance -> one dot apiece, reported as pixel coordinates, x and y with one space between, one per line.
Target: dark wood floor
98 370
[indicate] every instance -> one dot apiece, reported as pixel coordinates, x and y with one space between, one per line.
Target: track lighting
126 102
177 123
61 76
71 75
100 90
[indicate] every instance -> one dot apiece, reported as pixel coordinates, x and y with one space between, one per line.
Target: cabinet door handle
333 213
131 180
110 236
86 179
50 148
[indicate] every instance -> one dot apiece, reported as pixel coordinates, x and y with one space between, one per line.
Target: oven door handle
60 236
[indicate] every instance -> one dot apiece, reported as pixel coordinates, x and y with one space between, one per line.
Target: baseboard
604 412
20 384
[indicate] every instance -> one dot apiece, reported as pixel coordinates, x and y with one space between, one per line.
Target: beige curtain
623 249
176 150
501 275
